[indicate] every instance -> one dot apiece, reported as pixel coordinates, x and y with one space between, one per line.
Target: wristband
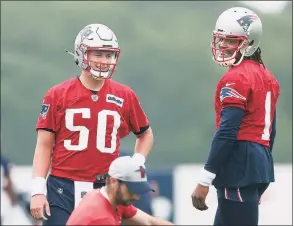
38 186
206 177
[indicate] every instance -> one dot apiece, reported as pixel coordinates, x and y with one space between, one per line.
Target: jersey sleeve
234 91
138 120
128 212
47 116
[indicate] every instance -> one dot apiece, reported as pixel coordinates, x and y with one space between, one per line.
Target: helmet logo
85 33
246 21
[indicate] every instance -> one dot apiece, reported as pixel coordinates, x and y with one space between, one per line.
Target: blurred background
166 58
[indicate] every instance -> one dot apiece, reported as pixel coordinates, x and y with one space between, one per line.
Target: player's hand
199 196
38 202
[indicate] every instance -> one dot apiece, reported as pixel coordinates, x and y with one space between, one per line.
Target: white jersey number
267 118
84 131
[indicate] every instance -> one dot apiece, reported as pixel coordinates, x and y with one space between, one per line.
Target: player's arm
140 126
144 143
46 128
42 159
142 218
41 164
233 100
223 143
273 133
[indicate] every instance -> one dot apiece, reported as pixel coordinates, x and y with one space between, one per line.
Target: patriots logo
44 110
246 21
142 171
85 33
229 92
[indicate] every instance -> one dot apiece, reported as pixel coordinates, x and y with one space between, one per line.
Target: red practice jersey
254 89
95 209
88 127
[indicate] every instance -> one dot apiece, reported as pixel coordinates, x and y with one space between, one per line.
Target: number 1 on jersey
267 118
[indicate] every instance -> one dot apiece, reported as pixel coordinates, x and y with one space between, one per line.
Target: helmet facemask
226 49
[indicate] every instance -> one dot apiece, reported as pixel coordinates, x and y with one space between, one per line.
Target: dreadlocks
256 56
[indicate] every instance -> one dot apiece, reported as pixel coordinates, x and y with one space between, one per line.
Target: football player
112 204
240 163
81 123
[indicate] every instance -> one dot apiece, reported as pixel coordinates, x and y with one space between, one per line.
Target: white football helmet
241 25
96 37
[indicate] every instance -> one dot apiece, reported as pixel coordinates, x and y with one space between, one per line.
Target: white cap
132 173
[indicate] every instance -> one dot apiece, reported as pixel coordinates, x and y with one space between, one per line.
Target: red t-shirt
95 209
253 88
88 128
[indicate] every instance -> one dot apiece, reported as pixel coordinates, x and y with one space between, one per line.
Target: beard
120 199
